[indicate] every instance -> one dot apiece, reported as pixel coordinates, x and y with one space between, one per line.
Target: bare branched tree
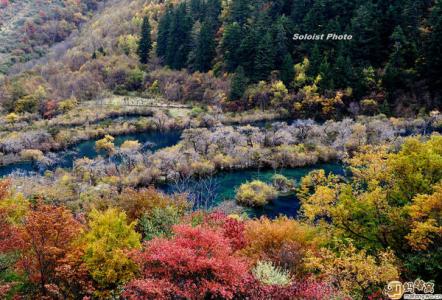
202 192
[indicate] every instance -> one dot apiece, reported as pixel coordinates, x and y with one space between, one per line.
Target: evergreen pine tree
385 108
315 61
367 45
145 43
213 12
412 12
163 33
433 48
239 84
287 70
280 42
247 52
343 71
205 51
196 9
316 17
179 38
240 10
327 82
231 42
287 7
173 41
194 36
265 58
402 58
101 50
300 9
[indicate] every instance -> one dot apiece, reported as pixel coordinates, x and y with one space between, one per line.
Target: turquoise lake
225 185
226 182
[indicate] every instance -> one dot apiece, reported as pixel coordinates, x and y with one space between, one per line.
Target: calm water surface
65 159
287 204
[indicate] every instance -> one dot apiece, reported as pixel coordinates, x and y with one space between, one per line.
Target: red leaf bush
197 263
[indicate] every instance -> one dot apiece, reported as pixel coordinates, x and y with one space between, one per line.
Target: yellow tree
282 241
279 94
255 193
392 198
106 244
106 144
354 271
426 220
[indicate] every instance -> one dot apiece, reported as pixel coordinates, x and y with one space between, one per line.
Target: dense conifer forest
392 58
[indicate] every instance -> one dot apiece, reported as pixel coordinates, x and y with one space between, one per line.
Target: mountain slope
29 27
240 54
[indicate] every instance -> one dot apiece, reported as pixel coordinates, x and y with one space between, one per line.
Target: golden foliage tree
353 270
106 244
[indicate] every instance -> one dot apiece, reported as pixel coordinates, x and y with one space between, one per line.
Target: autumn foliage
232 228
282 241
44 239
353 236
138 202
106 244
8 234
196 263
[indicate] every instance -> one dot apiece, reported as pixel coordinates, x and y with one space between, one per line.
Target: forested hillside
391 60
29 28
245 49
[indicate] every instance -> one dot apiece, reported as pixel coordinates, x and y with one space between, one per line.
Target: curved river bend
226 183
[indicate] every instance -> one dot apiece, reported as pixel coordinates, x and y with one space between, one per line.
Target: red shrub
50 109
310 289
232 229
9 235
305 290
197 263
4 290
